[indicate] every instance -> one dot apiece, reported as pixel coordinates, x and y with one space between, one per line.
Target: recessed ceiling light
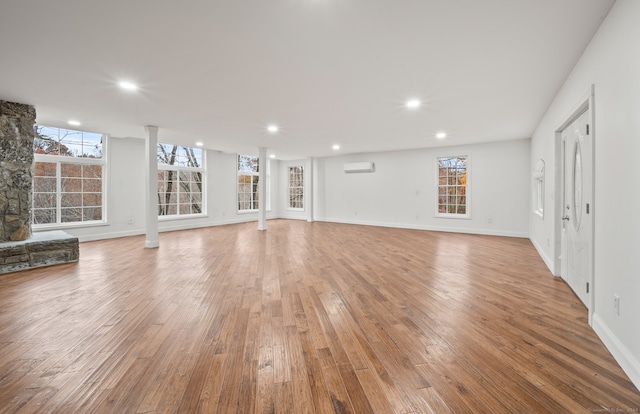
272 156
128 85
336 147
272 128
441 135
413 103
74 123
199 144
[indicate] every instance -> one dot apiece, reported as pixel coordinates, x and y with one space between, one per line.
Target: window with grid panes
68 171
296 187
180 180
248 181
452 187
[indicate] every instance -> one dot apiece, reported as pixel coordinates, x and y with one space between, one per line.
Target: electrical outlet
616 304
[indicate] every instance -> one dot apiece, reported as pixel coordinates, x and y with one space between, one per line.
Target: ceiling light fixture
199 144
74 123
273 128
272 156
336 147
441 135
413 103
129 86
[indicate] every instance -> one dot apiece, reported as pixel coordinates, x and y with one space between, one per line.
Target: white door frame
586 103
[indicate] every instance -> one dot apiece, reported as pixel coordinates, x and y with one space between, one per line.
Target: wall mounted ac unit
359 167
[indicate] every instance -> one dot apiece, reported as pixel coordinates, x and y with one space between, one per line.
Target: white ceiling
326 71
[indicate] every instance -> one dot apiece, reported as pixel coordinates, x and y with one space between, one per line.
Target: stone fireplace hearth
19 248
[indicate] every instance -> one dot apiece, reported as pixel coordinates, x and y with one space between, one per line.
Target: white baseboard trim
179 225
486 232
546 259
627 361
287 217
186 225
113 235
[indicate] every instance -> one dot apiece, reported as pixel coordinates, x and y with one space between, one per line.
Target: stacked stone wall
41 249
19 249
16 160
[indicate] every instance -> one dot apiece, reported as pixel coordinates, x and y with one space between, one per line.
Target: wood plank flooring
302 318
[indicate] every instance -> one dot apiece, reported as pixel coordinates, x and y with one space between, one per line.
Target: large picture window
180 180
248 181
296 188
452 187
68 176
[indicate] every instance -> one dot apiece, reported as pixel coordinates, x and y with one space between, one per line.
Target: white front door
577 226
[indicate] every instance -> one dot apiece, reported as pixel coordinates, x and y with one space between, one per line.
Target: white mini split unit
359 167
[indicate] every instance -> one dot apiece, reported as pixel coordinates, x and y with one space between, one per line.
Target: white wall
126 194
612 63
401 192
222 206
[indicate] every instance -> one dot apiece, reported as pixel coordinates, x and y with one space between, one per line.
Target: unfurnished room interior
319 206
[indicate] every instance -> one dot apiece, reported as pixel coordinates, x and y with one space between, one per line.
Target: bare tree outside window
296 187
180 172
67 142
67 176
452 186
248 182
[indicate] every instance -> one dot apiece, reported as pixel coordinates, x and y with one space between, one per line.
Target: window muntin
452 187
248 195
248 183
180 180
296 188
68 177
45 192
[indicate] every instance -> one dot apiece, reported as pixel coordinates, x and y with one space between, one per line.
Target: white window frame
301 187
178 169
467 195
247 173
267 173
63 159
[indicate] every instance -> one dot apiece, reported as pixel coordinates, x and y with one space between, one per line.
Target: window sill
250 211
454 216
65 226
182 217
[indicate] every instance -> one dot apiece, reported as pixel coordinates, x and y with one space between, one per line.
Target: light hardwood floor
302 318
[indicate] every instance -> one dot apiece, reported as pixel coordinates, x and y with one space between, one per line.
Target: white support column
151 186
262 189
308 191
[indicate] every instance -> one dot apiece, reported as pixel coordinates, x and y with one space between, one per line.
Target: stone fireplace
19 248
